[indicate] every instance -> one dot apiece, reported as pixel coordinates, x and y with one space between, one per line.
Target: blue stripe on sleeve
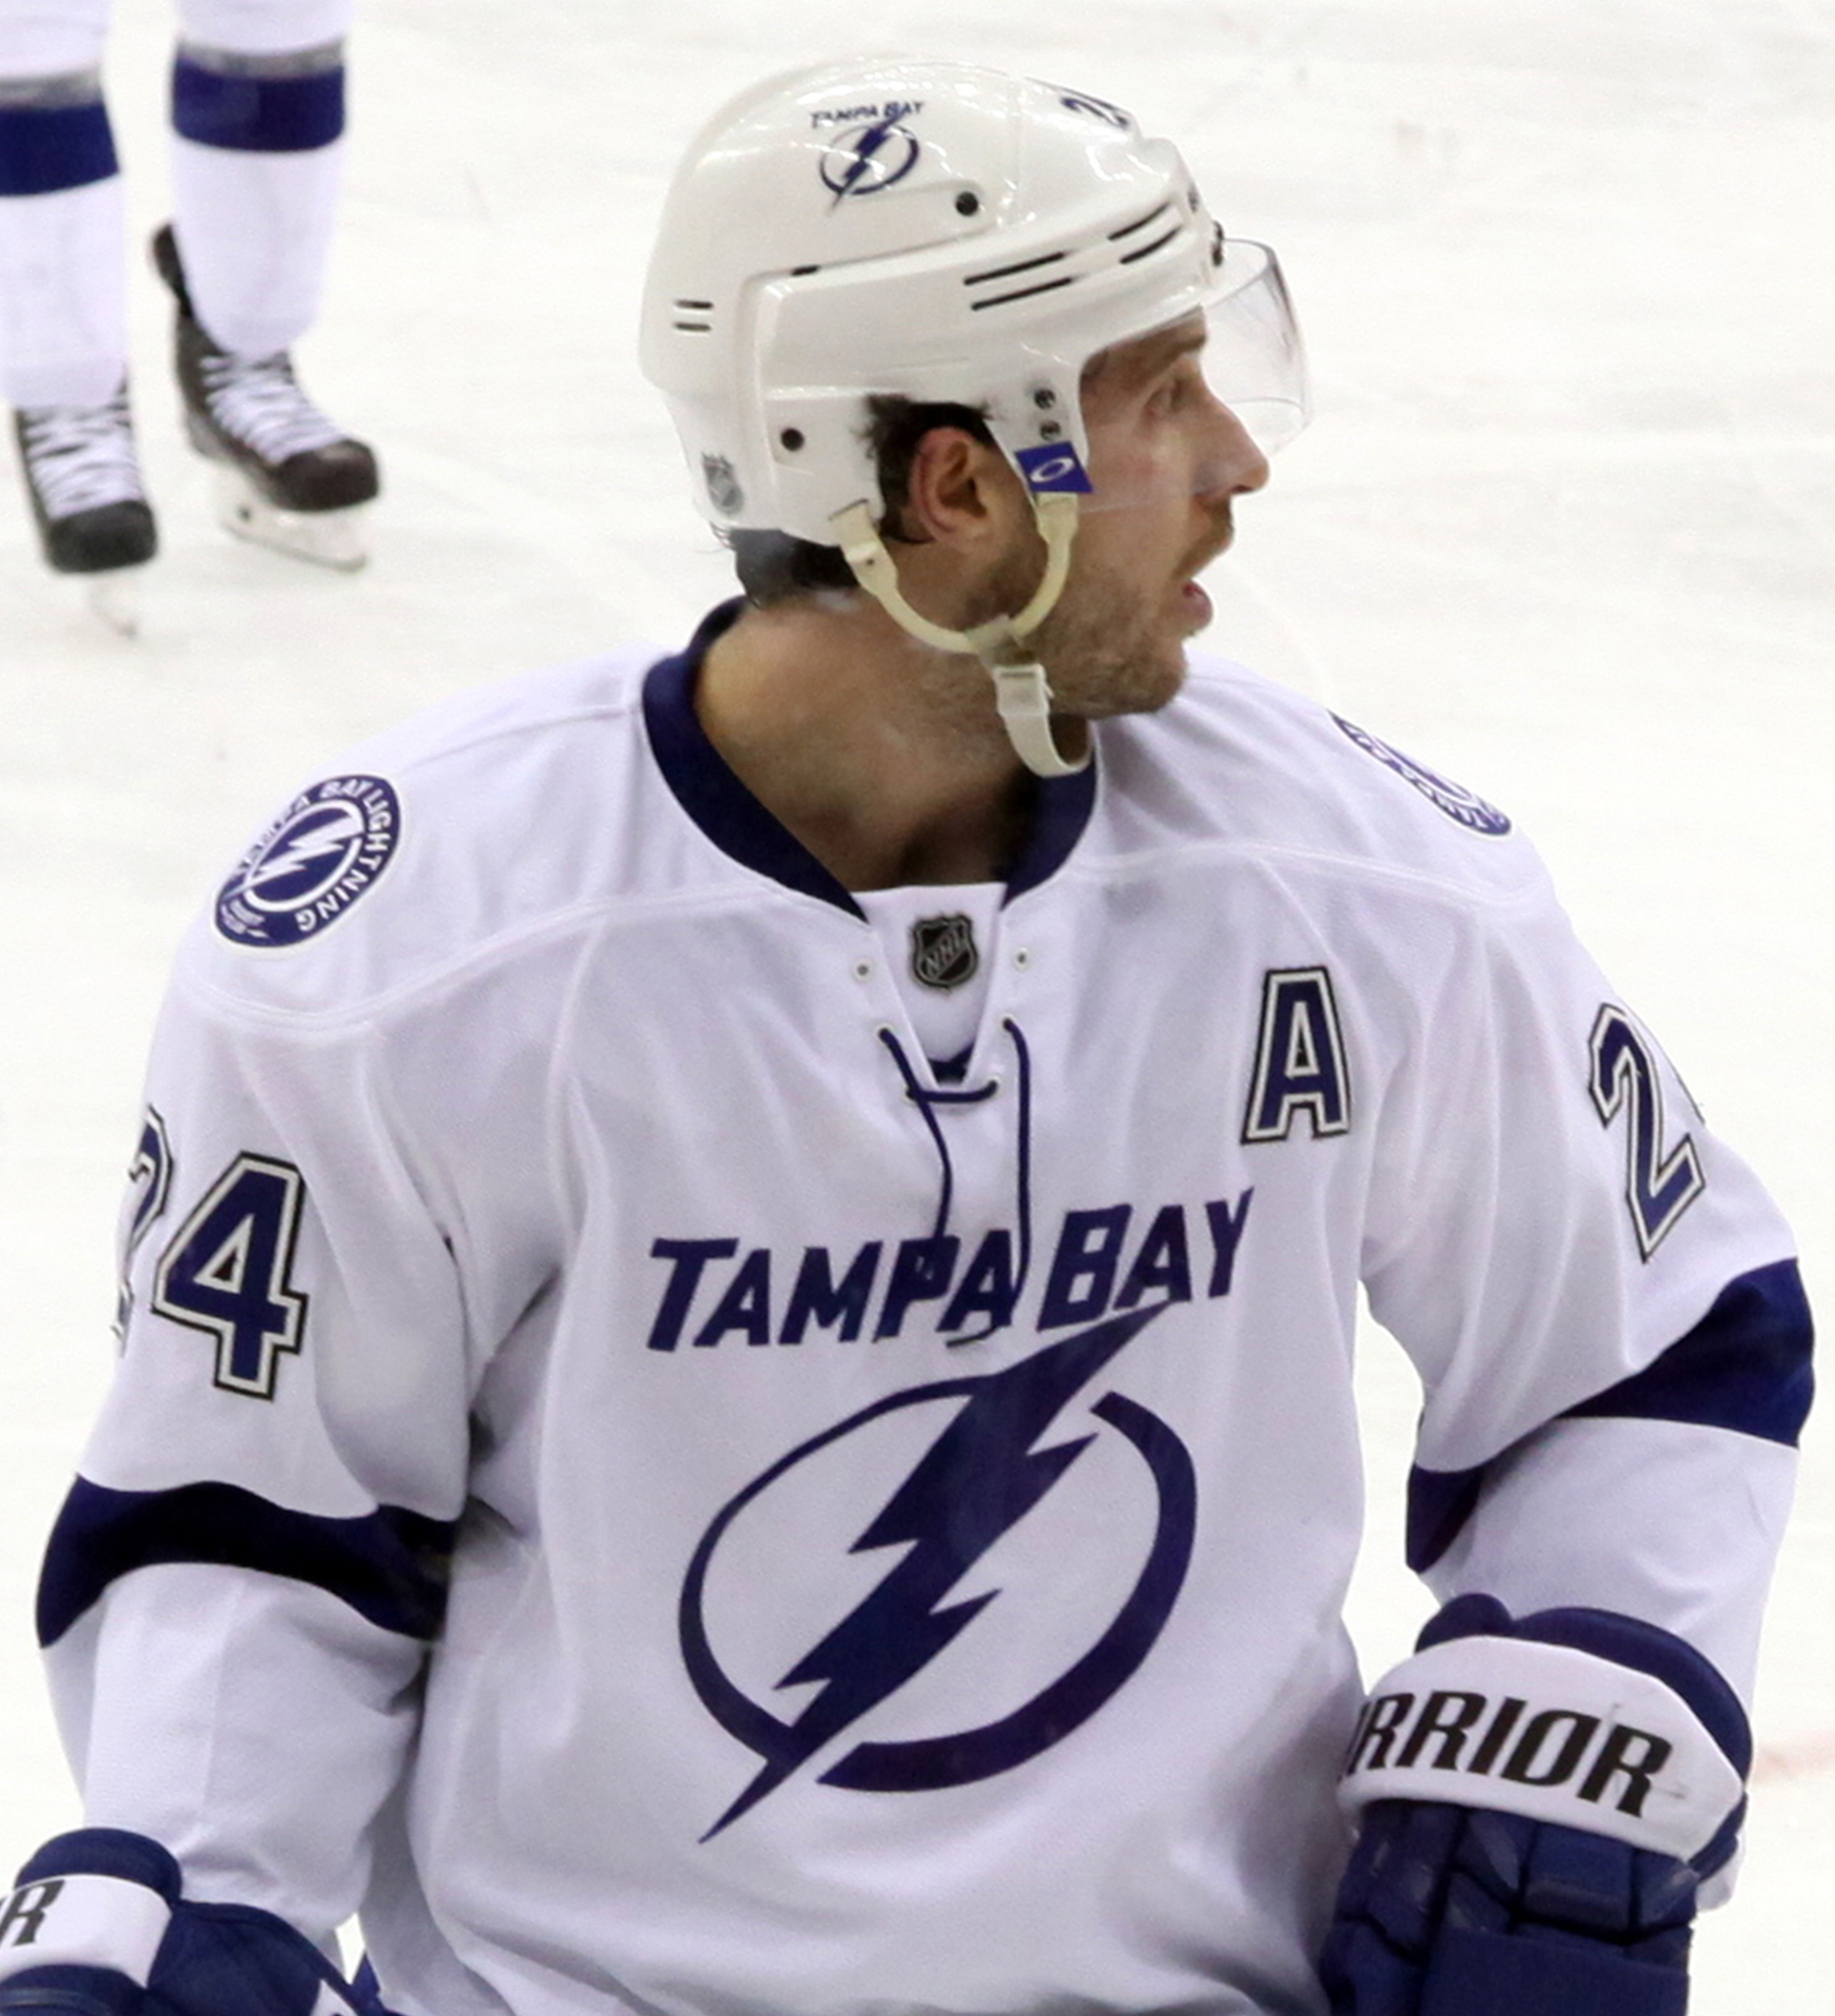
1440 1502
257 115
46 148
389 1566
1746 1366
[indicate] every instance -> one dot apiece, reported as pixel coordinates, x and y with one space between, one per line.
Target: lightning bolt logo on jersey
312 864
976 1481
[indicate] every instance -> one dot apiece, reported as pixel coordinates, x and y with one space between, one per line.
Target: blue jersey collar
740 827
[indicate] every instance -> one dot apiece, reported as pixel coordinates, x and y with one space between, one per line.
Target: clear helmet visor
1254 359
1196 406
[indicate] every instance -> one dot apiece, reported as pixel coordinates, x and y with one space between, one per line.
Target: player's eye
1180 387
1168 395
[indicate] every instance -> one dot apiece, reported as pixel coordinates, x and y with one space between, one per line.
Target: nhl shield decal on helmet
1466 806
312 864
724 492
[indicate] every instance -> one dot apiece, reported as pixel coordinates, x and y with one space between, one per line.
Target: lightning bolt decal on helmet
951 235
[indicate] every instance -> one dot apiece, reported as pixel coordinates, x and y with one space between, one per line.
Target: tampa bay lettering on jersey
1112 1259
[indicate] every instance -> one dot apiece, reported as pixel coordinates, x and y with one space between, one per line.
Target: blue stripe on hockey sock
46 148
257 114
389 1566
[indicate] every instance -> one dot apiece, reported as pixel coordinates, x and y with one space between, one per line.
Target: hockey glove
1542 1801
98 1926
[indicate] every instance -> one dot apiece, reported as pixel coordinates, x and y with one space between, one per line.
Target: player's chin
1153 677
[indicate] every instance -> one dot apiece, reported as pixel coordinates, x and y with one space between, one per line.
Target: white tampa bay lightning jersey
668 1496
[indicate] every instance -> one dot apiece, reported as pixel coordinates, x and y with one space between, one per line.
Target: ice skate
83 476
286 477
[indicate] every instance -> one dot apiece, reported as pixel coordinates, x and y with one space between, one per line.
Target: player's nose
1231 462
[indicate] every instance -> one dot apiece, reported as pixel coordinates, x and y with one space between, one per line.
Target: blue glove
1572 1779
1450 1911
98 1926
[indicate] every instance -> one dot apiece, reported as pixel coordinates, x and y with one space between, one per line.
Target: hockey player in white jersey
738 1285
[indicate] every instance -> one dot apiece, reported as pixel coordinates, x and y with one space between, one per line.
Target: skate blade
114 598
326 538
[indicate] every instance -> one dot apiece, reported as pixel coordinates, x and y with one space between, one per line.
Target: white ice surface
1564 526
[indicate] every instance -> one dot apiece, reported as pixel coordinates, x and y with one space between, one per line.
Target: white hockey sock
64 318
255 189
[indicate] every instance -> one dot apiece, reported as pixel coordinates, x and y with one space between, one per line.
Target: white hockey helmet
954 235
948 233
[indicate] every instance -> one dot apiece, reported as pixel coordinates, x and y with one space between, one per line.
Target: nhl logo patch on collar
943 953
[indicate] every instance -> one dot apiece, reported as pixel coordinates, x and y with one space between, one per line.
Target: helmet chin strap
1021 691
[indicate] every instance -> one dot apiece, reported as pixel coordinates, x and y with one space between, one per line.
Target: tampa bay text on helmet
852 254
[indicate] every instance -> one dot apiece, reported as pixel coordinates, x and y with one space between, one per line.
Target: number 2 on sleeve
1659 1188
149 1182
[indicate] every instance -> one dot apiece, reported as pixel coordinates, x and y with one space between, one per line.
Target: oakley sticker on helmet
1052 466
1469 810
869 159
323 852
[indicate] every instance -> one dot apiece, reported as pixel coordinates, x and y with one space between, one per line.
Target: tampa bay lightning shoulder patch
1466 806
312 864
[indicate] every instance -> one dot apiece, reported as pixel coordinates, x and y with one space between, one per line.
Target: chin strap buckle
1023 696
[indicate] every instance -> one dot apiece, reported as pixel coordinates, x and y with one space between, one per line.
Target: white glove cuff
83 1921
1544 1731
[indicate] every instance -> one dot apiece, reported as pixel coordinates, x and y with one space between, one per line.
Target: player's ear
961 492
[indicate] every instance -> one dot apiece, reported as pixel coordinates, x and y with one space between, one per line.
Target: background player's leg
258 148
64 335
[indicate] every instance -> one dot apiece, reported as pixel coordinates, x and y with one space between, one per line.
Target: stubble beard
1107 649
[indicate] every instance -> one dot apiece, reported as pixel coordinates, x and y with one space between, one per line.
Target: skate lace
258 401
80 457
